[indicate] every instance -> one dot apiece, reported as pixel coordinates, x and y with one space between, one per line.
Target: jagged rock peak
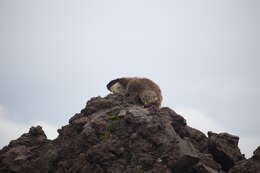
114 134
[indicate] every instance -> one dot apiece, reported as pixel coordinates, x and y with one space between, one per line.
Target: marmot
145 89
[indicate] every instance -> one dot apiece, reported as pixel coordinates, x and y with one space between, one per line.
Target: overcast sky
205 56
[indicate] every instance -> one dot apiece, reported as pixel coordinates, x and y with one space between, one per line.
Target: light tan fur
118 88
148 92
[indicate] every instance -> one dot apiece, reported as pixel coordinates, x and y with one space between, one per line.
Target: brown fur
147 91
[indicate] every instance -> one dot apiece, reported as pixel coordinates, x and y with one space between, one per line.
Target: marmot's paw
148 97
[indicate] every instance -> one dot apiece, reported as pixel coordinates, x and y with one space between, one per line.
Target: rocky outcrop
251 165
29 153
115 135
224 148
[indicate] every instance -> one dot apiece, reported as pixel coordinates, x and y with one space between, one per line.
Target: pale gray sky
54 56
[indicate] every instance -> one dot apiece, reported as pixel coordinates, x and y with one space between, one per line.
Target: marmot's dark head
118 85
111 83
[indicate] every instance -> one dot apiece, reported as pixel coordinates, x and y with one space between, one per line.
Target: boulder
251 165
224 148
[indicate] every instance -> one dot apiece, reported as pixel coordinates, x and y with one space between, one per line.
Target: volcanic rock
115 134
224 148
251 165
29 152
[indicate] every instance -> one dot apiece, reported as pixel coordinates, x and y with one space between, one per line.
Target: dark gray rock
224 148
115 134
251 165
28 153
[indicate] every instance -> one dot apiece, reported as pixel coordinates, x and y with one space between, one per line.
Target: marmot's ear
111 83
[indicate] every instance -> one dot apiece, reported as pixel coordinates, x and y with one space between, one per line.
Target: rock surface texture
114 135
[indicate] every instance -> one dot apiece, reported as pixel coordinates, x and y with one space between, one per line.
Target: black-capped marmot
145 89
